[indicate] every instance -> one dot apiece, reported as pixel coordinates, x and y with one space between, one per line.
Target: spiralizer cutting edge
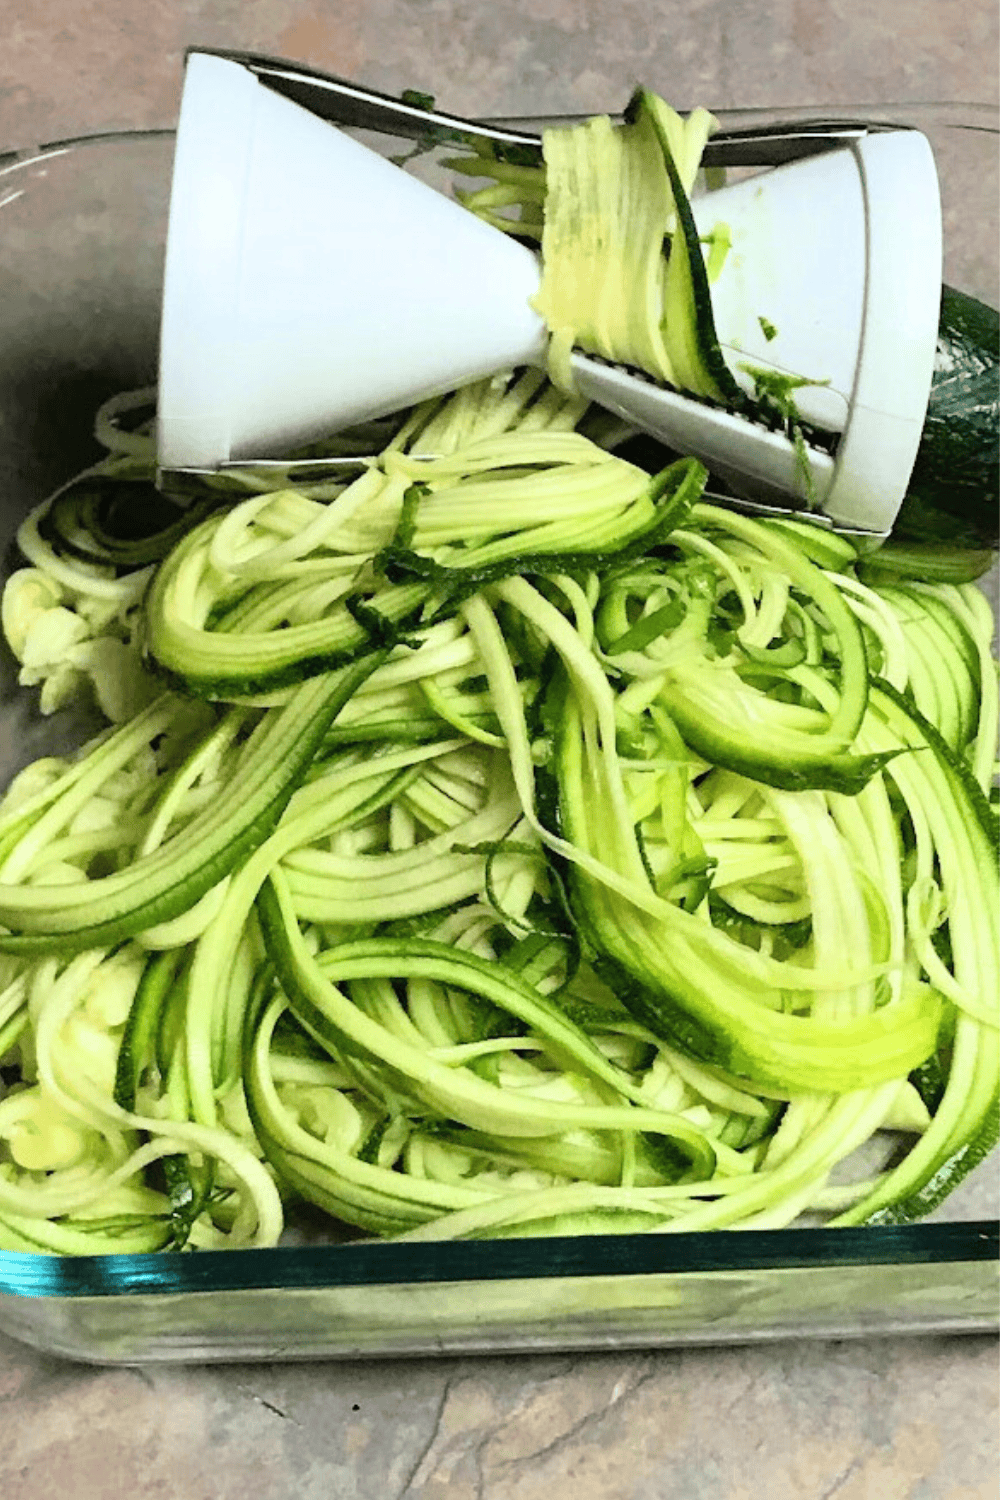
311 283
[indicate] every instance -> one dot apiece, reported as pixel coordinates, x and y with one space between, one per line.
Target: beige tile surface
888 1420
75 65
880 1420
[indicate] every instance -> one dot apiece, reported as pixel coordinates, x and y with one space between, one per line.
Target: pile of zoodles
498 839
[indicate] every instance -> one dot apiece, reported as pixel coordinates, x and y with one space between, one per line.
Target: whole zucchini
953 491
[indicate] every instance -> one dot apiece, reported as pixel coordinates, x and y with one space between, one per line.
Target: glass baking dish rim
394 1263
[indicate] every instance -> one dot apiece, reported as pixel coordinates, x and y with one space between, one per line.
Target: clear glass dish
82 227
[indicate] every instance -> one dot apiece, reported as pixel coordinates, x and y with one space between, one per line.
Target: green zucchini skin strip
235 663
426 959
665 504
217 664
686 243
683 998
71 919
88 505
917 1193
897 710
789 769
138 1042
461 1095
966 1123
360 1192
790 760
68 1236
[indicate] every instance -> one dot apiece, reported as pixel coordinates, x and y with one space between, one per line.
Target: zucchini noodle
496 840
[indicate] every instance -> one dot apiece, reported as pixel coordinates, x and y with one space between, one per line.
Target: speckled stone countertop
887 1419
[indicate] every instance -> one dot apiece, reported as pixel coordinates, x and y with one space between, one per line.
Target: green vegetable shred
498 838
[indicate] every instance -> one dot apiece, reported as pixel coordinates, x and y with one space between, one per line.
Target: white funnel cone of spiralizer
310 283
